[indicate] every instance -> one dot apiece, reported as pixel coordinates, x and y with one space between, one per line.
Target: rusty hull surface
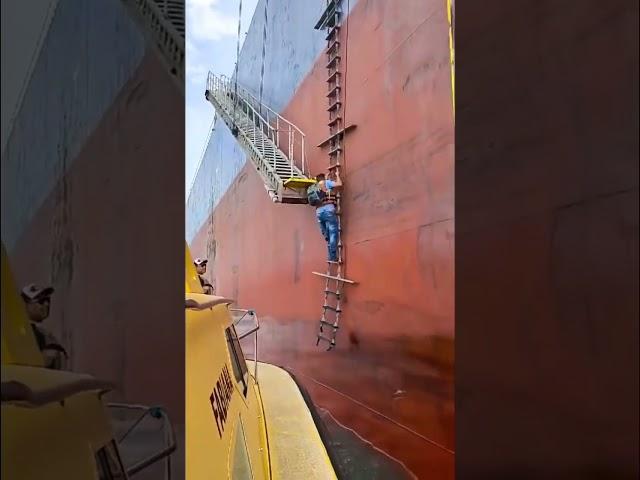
391 376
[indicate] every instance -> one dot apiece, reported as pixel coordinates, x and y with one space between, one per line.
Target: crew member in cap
38 303
201 269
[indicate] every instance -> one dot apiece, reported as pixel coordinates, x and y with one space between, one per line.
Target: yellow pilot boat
244 419
56 424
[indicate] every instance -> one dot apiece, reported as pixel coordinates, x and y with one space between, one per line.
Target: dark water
357 459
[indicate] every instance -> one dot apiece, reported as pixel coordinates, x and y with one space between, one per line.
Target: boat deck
297 451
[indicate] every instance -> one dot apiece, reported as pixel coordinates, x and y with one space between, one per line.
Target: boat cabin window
109 463
238 362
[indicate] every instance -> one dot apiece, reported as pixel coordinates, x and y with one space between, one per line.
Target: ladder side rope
344 124
235 95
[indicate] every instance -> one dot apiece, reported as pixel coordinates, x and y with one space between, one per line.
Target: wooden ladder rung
333 60
338 133
332 32
330 324
334 74
333 91
339 279
333 45
333 309
326 339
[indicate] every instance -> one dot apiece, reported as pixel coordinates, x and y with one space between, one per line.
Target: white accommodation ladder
275 146
162 23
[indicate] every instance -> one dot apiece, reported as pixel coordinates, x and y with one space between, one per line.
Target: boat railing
169 436
244 313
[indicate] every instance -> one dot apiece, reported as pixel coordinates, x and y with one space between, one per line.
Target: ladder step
333 91
333 61
333 309
333 45
337 134
335 30
331 292
332 341
335 120
333 106
334 74
335 150
331 324
338 279
328 16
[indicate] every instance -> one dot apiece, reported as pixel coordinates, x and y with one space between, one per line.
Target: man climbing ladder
322 197
325 196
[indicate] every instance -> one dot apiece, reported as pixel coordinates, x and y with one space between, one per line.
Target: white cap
34 292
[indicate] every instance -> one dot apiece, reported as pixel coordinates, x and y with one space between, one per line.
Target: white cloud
212 28
206 21
196 73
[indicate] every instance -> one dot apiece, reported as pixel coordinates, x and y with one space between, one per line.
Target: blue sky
211 41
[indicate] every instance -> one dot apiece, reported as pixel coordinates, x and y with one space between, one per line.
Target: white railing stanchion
304 170
291 149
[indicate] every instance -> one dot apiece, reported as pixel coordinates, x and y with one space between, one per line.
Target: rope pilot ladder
335 281
275 146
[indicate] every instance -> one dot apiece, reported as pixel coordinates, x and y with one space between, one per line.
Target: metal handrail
170 437
165 31
267 170
274 123
223 98
255 329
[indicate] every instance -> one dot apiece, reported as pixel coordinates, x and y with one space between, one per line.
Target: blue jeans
328 222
